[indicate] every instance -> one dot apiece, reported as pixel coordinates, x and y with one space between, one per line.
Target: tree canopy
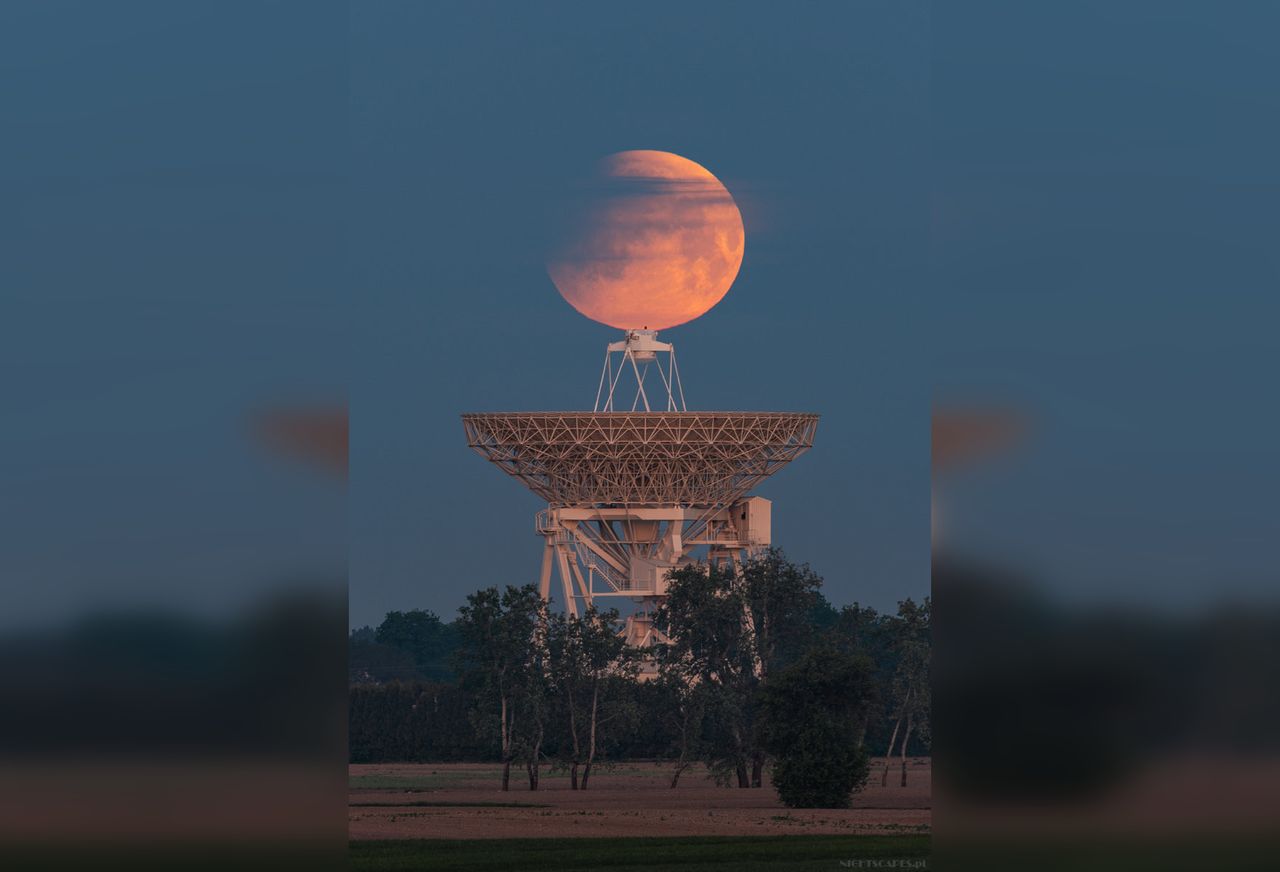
813 715
758 666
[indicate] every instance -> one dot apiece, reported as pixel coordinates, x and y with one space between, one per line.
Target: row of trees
536 673
771 681
731 629
407 646
760 668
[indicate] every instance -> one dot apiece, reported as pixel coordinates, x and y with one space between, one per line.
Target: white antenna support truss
639 353
640 485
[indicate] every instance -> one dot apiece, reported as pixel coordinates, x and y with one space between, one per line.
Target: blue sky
471 124
1103 257
174 188
208 211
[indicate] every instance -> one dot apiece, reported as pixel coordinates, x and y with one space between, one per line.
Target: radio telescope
640 485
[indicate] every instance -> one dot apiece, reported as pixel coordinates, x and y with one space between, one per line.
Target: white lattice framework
638 354
640 458
633 494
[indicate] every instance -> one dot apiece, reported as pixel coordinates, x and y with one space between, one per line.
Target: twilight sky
472 125
213 209
174 203
1103 257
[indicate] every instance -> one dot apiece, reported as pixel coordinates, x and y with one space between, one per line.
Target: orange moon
658 243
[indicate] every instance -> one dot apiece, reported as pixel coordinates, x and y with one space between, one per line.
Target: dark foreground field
462 801
744 854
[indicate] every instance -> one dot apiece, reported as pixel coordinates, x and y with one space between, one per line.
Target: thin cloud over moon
657 242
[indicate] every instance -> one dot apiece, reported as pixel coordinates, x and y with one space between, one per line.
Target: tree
501 653
535 695
910 689
682 708
730 627
421 721
822 615
588 662
779 597
862 630
705 620
371 663
424 637
811 711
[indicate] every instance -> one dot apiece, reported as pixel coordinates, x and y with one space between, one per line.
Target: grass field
435 780
443 778
746 854
411 801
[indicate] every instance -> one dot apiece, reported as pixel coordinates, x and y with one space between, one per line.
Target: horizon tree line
760 668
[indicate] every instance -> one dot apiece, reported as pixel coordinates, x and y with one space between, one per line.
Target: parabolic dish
640 458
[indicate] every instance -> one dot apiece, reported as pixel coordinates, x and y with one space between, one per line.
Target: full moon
657 242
